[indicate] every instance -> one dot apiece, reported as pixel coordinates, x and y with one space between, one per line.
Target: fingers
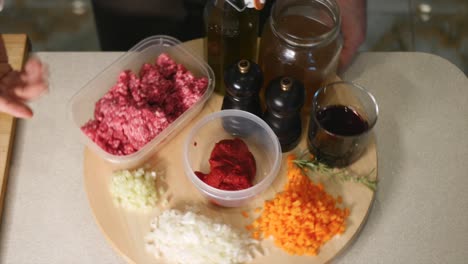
346 57
353 37
29 92
350 48
353 28
33 81
4 69
34 71
14 108
18 87
258 4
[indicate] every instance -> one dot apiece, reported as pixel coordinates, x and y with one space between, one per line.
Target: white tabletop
420 214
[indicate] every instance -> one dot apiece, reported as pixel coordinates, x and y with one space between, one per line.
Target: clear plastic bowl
82 104
228 124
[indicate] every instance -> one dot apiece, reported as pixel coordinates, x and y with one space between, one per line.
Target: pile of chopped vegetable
302 217
189 237
135 189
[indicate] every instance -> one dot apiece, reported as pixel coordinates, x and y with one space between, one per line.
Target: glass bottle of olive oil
231 34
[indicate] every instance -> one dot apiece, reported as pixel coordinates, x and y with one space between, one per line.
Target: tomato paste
232 166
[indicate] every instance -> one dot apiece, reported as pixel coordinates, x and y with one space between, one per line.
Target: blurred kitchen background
434 26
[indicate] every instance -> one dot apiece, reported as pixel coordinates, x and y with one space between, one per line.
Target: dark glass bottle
284 98
231 34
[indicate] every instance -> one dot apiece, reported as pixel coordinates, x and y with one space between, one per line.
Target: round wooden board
126 230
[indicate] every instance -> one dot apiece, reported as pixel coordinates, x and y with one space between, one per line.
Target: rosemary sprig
341 174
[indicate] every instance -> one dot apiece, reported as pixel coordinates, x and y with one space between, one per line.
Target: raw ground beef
138 107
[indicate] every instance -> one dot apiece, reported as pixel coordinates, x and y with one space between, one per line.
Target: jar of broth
301 39
231 34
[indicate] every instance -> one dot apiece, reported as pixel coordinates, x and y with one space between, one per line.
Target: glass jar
231 34
301 39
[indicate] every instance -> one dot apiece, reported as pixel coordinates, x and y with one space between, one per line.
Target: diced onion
135 189
188 237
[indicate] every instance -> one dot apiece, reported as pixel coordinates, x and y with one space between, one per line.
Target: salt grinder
284 98
243 81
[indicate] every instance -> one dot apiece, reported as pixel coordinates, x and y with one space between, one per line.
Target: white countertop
420 214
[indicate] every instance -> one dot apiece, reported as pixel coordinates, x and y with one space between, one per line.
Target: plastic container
260 139
82 104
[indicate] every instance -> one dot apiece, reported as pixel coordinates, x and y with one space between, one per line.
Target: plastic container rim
232 195
162 40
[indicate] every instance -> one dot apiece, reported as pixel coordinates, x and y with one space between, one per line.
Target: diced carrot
339 199
245 214
302 217
256 235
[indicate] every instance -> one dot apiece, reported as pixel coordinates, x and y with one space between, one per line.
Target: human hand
353 28
17 88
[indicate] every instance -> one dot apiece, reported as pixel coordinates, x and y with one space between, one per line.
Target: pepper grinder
284 98
243 81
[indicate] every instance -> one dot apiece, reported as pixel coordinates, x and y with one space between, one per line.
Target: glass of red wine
343 115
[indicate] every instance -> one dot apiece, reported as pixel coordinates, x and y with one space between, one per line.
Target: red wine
337 135
341 120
